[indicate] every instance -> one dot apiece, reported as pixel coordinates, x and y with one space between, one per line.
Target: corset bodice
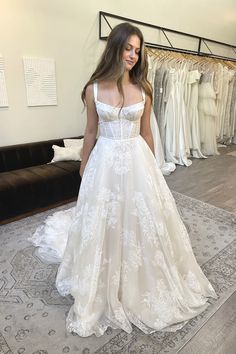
116 122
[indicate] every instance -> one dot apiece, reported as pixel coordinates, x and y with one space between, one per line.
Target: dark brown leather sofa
29 184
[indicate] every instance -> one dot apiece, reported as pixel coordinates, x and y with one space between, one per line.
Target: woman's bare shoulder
89 92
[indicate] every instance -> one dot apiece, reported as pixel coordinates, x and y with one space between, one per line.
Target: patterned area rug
33 313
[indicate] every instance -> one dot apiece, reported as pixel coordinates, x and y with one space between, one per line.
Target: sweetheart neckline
109 105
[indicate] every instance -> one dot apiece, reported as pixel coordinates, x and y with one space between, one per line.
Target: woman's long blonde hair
111 67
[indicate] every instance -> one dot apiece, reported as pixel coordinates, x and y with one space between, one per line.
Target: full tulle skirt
124 252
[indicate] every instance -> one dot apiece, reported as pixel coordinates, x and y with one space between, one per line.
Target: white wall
68 32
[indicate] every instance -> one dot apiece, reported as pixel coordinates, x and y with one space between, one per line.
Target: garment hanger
231 64
176 59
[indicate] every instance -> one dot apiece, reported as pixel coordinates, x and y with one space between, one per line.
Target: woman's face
131 52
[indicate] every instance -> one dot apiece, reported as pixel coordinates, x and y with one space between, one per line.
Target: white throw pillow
66 153
73 142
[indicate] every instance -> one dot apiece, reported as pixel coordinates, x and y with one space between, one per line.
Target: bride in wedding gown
124 252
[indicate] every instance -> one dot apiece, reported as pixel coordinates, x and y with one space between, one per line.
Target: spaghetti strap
95 90
143 94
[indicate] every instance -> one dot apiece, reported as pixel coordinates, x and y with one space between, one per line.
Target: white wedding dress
125 253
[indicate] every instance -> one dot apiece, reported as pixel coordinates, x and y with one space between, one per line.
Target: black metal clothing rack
105 15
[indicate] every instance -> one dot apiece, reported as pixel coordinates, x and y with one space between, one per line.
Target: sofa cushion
35 187
72 153
19 156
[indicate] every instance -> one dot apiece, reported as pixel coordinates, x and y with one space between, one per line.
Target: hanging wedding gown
207 115
177 144
166 167
125 253
192 113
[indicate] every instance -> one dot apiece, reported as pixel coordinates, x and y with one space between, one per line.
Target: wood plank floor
212 181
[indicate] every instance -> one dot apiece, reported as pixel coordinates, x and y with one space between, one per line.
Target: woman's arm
91 128
145 129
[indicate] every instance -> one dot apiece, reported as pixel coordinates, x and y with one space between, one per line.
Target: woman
128 257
